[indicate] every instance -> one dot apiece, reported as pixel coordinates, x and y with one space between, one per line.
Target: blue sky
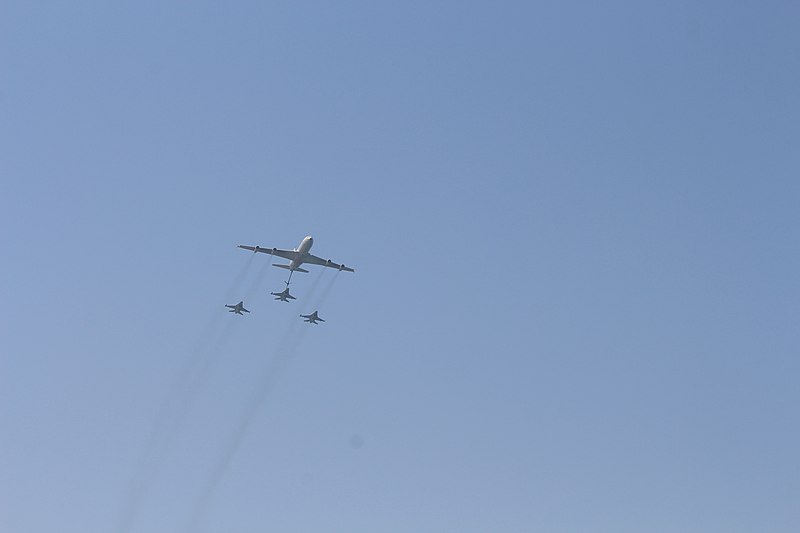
575 233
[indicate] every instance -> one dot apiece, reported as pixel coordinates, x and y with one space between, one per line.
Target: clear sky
575 233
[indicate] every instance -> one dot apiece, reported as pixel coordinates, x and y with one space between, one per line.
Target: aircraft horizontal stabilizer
287 267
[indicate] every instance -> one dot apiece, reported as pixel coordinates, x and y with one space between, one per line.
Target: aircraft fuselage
303 249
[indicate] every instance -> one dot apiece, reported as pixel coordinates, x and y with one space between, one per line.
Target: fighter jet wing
314 260
291 255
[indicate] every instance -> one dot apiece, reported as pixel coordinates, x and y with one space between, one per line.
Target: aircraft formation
297 257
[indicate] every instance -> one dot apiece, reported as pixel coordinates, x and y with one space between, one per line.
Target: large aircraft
313 317
284 295
298 256
238 308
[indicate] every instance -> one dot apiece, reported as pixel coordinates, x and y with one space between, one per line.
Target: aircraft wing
291 255
314 260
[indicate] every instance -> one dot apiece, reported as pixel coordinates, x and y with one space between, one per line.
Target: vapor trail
234 286
276 368
326 291
257 281
315 285
266 384
176 403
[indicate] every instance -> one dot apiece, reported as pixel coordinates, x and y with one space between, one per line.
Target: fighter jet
238 308
298 256
313 317
284 295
